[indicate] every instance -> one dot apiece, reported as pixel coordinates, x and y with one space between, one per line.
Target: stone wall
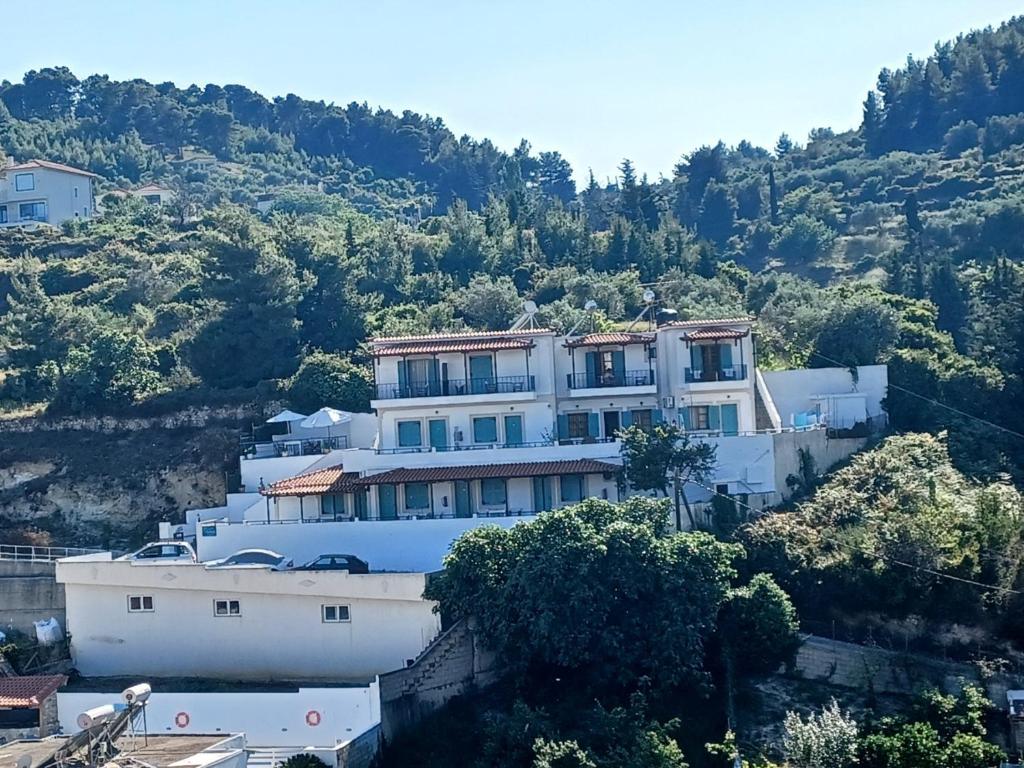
188 417
361 751
29 592
454 664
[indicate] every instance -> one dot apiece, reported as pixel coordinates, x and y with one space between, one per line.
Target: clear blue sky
596 80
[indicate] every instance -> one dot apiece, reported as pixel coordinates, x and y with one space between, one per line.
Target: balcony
729 373
289 445
490 385
610 379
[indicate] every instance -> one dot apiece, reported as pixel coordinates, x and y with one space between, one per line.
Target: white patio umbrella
286 417
326 417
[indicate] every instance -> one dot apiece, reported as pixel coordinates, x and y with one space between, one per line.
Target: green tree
488 303
759 627
827 739
115 368
803 240
654 458
332 380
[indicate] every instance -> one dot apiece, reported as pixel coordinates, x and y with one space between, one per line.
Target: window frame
644 423
504 492
577 417
3 214
419 432
228 614
405 496
339 609
336 503
142 599
472 425
33 205
31 181
562 486
700 418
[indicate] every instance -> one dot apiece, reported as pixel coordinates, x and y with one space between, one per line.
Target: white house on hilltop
41 192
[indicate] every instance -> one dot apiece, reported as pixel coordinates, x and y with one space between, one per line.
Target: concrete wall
800 390
28 593
826 452
278 635
67 195
400 545
275 718
454 664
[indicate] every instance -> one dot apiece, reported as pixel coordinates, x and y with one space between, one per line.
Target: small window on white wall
227 608
335 614
24 182
140 603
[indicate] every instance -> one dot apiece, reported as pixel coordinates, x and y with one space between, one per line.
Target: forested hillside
898 242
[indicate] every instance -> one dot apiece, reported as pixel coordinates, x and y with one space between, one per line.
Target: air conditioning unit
668 401
457 435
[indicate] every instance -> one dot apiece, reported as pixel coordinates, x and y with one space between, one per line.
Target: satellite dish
530 307
648 296
590 306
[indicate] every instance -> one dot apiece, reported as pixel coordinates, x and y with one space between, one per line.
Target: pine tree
947 294
871 127
773 196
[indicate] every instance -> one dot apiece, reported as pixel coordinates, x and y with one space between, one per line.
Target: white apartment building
172 619
41 192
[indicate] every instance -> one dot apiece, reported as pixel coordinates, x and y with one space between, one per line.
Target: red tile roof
489 471
709 334
462 335
745 320
617 339
329 480
30 164
440 347
28 692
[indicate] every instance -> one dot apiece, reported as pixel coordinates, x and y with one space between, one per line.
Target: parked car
253 558
349 563
165 552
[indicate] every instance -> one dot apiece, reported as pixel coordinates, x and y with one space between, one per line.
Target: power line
932 401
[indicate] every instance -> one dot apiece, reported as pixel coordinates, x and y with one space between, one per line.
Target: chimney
10 162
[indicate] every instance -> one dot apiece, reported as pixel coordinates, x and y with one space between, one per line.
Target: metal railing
32 554
610 379
309 446
486 385
402 517
726 373
470 447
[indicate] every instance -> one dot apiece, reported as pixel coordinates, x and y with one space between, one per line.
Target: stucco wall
793 391
28 593
267 718
826 452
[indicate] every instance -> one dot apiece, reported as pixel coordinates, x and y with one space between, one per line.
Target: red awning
489 471
329 480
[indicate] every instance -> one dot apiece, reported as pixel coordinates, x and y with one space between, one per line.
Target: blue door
542 498
481 374
438 429
463 502
388 503
514 430
730 419
359 501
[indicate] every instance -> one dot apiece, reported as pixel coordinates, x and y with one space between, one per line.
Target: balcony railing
462 447
610 379
488 385
730 373
281 445
32 554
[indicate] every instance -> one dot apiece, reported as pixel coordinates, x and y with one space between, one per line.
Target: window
493 492
642 418
579 425
24 182
699 417
485 429
334 614
3 214
410 433
332 505
571 487
140 603
227 608
417 496
76 193
32 211
152 199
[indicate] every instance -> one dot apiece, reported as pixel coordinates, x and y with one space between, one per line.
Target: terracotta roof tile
329 480
710 321
30 164
489 471
708 334
30 691
440 347
455 335
619 338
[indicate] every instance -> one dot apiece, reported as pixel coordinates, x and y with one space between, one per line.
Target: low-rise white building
137 618
41 192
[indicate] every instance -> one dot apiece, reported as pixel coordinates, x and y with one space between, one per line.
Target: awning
713 334
614 339
285 417
454 345
30 691
489 471
329 480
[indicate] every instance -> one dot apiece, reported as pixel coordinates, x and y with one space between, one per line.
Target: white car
253 558
162 552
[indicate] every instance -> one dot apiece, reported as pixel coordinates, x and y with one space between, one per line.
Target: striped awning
489 471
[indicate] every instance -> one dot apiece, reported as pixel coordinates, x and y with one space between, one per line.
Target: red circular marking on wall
313 718
182 719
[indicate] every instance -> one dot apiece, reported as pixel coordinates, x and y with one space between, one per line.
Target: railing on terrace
450 515
283 446
729 373
33 554
487 385
470 447
610 379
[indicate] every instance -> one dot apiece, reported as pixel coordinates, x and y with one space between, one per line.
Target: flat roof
160 751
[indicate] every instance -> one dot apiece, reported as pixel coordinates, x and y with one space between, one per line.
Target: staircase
766 417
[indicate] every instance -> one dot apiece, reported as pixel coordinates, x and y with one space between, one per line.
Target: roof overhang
489 472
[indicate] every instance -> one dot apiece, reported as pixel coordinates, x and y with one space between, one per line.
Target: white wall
390 545
538 418
794 391
56 189
278 636
277 468
369 461
267 718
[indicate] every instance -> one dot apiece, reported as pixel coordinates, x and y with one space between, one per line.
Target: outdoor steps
762 416
436 655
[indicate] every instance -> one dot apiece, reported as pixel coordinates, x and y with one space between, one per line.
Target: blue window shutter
627 419
619 363
656 416
725 351
713 420
730 419
696 363
563 426
685 414
402 376
591 369
594 425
